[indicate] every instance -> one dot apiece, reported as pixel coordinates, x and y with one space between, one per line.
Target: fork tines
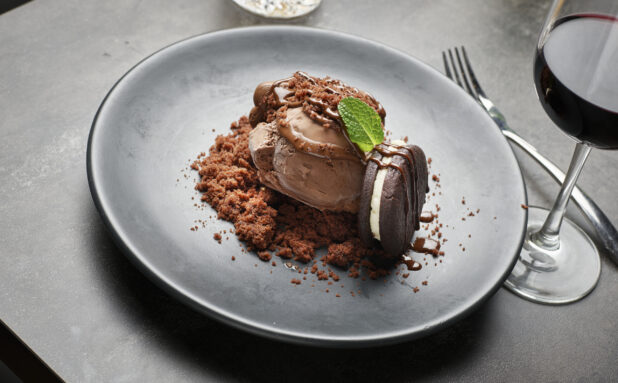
456 71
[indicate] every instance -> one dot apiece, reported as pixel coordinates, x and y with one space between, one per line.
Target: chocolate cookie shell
402 197
422 181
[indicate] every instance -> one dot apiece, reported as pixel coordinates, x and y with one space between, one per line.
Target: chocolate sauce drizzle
411 264
427 217
277 84
426 245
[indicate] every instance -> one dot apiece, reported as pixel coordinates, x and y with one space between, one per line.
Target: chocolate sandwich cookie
392 196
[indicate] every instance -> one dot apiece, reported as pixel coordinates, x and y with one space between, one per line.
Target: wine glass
576 77
279 9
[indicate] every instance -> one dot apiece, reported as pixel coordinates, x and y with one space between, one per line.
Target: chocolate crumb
264 255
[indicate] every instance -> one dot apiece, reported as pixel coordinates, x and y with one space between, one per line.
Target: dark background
7 5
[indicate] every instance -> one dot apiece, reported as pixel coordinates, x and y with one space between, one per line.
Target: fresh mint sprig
362 122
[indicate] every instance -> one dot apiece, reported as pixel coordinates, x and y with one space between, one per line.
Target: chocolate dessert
309 169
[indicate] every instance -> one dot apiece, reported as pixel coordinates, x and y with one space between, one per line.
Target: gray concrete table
73 297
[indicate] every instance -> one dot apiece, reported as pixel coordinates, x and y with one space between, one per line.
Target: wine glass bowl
576 78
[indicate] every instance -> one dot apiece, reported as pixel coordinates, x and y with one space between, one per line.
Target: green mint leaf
362 122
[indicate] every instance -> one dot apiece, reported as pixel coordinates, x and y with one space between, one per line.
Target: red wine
576 77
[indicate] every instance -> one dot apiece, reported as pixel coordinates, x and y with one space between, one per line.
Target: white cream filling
376 195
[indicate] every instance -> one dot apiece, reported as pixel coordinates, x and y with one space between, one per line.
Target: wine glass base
557 276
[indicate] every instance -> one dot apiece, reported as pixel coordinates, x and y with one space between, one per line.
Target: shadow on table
224 351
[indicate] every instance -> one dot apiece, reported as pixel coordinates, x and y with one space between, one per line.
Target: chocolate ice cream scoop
308 162
392 197
299 144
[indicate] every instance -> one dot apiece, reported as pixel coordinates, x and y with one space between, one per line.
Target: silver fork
464 76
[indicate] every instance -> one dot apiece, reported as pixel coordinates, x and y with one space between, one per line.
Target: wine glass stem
549 235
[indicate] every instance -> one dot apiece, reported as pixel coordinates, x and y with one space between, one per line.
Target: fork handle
606 232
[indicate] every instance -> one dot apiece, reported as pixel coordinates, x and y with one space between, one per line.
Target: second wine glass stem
549 235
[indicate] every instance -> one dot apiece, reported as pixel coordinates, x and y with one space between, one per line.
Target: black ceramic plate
163 112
